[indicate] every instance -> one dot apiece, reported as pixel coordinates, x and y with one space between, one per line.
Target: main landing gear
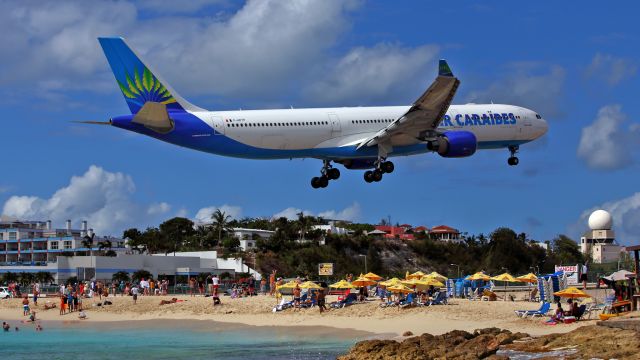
513 159
328 173
382 167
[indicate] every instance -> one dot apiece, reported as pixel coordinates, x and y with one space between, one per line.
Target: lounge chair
409 301
348 300
581 310
543 310
440 299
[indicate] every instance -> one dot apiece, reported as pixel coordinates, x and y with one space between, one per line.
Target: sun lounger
543 310
581 310
439 299
348 300
408 302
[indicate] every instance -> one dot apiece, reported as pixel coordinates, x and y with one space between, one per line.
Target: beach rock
407 333
457 344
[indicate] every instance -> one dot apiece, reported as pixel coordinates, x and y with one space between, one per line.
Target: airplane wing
424 116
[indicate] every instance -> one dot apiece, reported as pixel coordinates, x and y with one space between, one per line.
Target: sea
174 339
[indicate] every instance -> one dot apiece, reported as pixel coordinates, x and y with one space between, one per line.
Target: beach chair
408 302
348 300
440 299
581 310
544 308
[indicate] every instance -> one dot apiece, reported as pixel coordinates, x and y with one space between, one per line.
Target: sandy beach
460 314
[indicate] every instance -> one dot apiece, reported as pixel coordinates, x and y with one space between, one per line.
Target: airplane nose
542 127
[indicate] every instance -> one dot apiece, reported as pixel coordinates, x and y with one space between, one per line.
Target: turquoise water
174 340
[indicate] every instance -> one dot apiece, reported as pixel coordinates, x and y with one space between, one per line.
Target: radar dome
600 220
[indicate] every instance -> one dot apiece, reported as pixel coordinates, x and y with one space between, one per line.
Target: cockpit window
538 116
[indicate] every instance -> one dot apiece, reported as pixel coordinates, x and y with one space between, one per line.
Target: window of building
54 245
13 235
67 244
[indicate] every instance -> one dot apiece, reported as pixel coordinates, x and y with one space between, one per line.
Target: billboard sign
573 277
325 269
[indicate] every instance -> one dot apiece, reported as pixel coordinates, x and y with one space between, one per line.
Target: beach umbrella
619 275
372 276
429 281
390 282
437 276
410 282
310 285
507 278
400 289
362 281
479 276
290 285
342 284
416 275
571 292
529 278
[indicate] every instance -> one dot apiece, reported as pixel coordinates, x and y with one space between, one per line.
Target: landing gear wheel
315 182
368 176
333 174
387 167
377 175
513 161
323 181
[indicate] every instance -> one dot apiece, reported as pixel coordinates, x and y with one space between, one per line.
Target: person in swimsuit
25 306
296 296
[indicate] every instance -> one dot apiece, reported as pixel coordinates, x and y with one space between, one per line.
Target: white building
599 242
248 237
332 229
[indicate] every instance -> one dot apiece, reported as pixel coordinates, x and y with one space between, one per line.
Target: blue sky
578 67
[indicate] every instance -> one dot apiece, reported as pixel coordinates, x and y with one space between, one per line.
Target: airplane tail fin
137 81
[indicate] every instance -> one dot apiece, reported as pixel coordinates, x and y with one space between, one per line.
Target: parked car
4 292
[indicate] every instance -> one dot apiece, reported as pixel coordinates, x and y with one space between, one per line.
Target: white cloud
350 213
626 218
611 69
529 85
204 214
158 208
605 144
378 73
101 197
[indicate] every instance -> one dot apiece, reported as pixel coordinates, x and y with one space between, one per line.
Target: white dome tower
599 242
600 220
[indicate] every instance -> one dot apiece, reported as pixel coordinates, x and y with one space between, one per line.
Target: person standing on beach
134 292
272 283
25 305
192 286
583 275
296 297
263 286
321 300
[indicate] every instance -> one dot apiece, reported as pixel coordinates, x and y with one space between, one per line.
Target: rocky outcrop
481 344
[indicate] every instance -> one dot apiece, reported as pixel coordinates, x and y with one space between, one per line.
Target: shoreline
381 323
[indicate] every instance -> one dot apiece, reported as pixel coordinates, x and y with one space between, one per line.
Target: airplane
358 138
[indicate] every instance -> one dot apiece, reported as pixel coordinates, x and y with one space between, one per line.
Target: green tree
120 276
10 277
566 251
231 245
220 223
44 277
72 280
27 278
140 274
175 231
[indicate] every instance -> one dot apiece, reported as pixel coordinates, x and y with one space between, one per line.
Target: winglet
444 69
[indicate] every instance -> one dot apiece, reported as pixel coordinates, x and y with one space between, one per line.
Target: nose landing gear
513 159
328 173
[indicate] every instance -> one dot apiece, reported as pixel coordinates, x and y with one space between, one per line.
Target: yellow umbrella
479 276
390 282
432 282
374 277
290 285
505 277
362 281
342 284
400 289
416 275
571 292
310 285
530 278
410 282
435 275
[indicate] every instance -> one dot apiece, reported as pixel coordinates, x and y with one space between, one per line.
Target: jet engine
454 144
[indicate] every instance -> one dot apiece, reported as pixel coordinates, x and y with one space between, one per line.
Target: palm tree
220 223
105 244
120 276
27 278
87 242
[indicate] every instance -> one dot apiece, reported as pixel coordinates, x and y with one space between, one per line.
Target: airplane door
335 123
525 128
217 123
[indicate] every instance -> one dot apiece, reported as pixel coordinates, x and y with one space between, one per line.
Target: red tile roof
444 229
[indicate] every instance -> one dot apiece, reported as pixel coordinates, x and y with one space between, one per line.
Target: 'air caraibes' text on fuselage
478 120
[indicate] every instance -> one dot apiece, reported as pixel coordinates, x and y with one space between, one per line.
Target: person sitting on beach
49 305
573 308
559 314
82 315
